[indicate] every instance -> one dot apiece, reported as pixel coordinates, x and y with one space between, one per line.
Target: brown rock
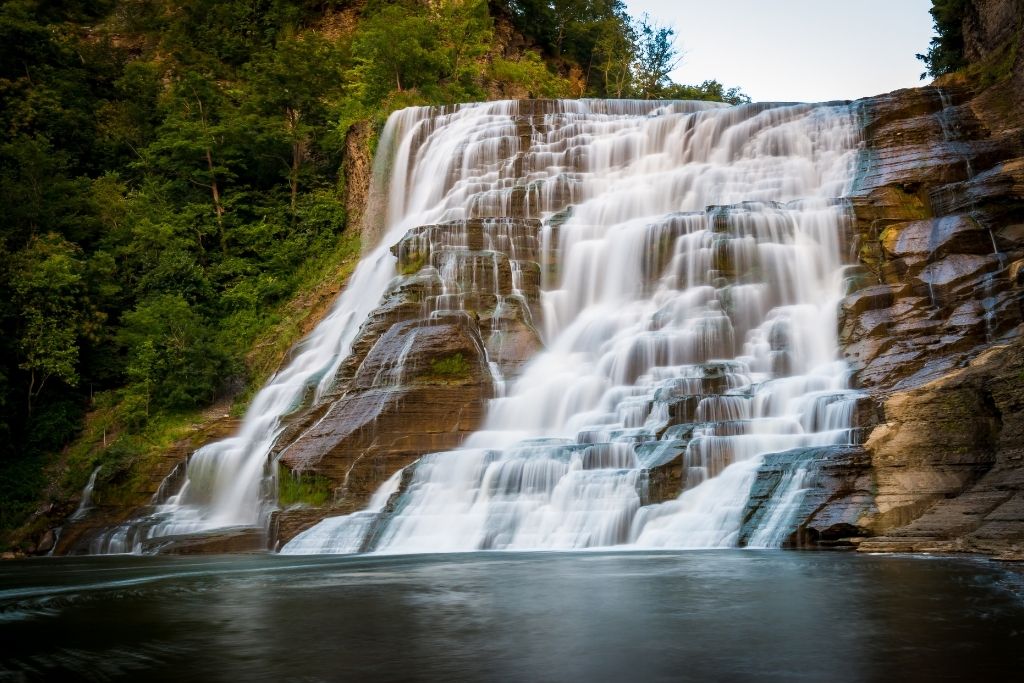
228 540
357 164
948 461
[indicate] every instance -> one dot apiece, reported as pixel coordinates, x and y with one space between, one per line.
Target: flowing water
693 260
584 616
698 260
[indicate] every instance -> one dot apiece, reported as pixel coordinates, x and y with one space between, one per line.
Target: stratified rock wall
419 374
932 325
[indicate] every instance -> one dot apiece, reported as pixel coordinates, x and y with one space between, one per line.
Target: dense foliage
946 52
169 174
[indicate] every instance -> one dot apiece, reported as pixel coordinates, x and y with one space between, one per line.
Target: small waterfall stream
689 311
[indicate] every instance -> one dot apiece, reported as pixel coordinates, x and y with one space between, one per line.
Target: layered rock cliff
932 324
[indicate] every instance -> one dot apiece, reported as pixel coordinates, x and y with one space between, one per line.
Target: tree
656 57
946 53
287 100
465 30
395 48
171 353
710 91
198 139
47 284
527 76
614 53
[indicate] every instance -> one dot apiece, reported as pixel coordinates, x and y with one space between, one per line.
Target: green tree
465 30
711 91
613 56
171 353
946 52
395 48
656 56
47 283
287 103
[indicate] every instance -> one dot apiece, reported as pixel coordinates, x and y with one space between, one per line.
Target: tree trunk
298 150
218 208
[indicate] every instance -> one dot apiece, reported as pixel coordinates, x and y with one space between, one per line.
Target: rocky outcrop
837 503
423 364
159 478
936 209
227 540
933 320
357 170
949 460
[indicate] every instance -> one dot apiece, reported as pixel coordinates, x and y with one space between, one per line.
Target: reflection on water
520 617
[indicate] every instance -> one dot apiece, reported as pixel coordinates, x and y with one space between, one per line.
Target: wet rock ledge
932 320
418 377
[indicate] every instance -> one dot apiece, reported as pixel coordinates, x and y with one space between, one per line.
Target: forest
171 180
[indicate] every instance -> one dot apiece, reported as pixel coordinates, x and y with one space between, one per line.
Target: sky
797 50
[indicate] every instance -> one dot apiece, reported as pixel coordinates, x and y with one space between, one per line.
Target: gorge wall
933 328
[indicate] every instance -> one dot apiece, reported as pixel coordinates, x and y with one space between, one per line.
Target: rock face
949 460
838 502
932 325
936 209
357 165
418 377
163 477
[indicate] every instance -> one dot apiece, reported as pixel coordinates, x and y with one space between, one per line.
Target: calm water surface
685 616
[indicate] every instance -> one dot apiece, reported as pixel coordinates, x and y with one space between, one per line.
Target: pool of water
680 616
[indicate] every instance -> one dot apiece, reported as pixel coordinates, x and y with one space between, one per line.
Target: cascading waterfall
227 483
699 260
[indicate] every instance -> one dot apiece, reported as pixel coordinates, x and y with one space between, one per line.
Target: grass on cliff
320 280
448 368
302 489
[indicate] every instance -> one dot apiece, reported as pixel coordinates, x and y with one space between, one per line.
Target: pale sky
797 50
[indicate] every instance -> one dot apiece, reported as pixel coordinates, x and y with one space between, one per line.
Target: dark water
692 616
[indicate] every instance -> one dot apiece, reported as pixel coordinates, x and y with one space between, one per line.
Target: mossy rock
452 367
311 490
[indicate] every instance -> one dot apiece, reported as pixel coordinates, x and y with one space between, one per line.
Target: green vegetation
173 210
450 367
412 263
302 489
946 53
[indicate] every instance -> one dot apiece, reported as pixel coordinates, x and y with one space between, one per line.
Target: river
499 616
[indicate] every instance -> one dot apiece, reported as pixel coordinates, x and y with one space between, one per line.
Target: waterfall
688 313
226 482
86 505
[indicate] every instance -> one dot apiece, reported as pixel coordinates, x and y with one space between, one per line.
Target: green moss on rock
302 489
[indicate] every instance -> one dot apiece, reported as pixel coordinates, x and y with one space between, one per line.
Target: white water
227 481
341 535
700 271
86 504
